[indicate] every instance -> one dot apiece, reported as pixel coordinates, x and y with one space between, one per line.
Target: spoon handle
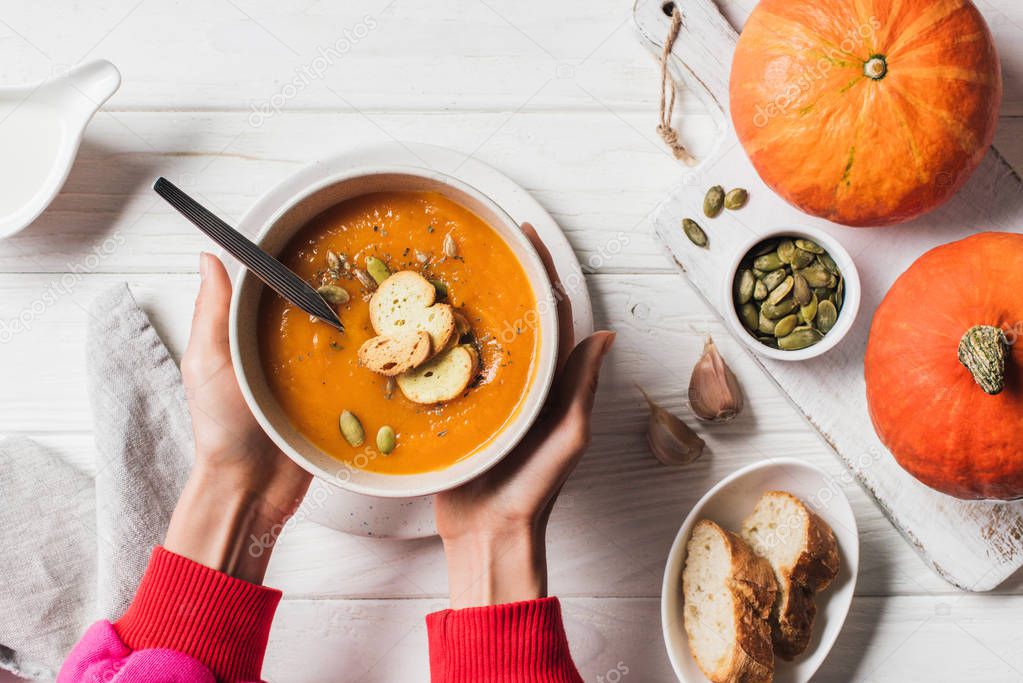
275 274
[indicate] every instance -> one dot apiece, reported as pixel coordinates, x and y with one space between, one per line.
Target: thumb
212 306
578 384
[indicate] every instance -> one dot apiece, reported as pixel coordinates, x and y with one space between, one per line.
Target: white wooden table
227 97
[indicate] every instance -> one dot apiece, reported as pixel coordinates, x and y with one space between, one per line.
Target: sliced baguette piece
442 378
406 303
392 356
803 553
728 594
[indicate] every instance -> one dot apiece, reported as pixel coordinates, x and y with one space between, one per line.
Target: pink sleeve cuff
521 641
220 621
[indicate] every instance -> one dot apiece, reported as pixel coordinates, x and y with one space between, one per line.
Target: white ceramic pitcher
41 127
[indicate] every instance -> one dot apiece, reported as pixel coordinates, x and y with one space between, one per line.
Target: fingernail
204 260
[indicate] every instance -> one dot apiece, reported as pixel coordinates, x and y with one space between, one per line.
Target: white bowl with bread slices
760 577
450 339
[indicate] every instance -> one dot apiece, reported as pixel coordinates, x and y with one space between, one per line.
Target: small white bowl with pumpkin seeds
791 293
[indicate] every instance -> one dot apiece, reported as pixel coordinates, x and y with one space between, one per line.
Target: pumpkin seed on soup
377 269
333 295
694 232
386 440
713 201
351 429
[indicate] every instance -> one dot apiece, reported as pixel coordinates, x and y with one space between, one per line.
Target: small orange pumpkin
944 368
865 112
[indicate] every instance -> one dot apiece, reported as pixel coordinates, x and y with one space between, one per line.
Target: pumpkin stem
983 350
876 67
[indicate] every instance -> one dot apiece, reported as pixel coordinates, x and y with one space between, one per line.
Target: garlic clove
670 440
714 392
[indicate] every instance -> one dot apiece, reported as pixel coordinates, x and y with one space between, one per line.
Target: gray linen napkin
74 547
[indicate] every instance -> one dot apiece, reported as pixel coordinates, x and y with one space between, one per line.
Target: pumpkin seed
801 290
781 291
694 232
765 247
827 316
801 258
808 312
364 278
809 245
736 198
760 290
768 262
785 326
799 338
821 293
351 429
768 341
333 295
386 440
785 250
817 277
764 324
441 288
450 248
779 310
390 384
333 263
759 274
713 201
776 278
828 263
749 316
744 286
840 294
377 269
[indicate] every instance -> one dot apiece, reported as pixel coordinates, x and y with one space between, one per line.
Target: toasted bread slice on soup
394 355
803 553
405 303
442 378
728 593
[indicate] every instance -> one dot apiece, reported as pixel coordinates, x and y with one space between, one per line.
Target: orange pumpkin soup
314 371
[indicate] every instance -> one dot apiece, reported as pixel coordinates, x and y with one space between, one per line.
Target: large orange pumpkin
865 112
944 368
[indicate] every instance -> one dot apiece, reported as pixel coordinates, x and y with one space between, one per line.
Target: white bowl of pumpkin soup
450 336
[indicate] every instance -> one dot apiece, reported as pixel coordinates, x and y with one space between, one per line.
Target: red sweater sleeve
218 620
514 643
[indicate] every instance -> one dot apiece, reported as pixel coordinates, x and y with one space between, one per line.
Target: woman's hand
494 527
242 488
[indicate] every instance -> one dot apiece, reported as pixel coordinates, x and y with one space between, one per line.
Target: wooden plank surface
562 98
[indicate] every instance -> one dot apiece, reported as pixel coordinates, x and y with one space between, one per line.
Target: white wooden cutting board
973 545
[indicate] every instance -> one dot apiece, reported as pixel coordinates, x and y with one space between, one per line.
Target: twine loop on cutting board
667 132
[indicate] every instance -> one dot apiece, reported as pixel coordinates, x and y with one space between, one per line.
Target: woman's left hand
242 489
